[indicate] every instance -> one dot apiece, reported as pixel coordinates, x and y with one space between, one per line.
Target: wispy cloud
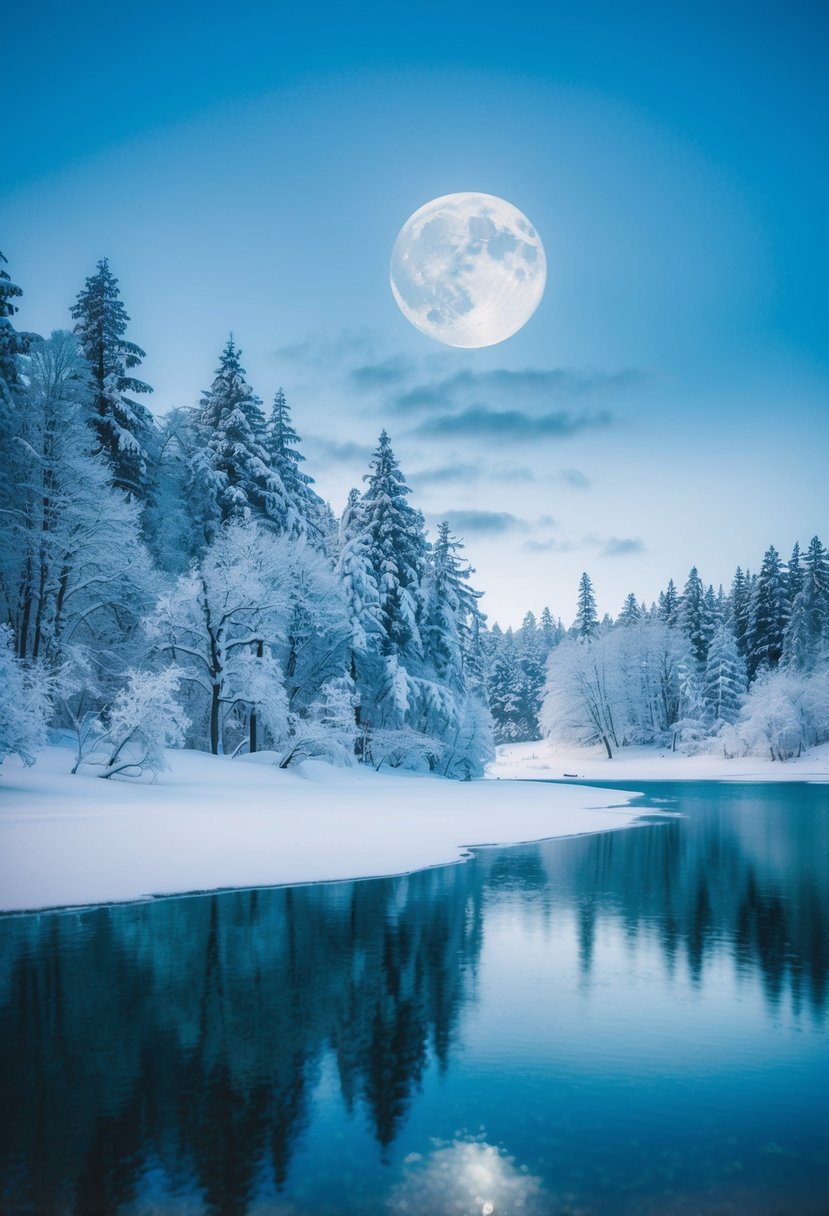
551 545
491 523
479 421
470 520
394 370
455 471
527 388
572 477
618 546
332 353
338 451
613 546
469 473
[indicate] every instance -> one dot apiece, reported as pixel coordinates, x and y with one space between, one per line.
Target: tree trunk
214 720
63 585
359 744
607 745
26 598
41 604
260 650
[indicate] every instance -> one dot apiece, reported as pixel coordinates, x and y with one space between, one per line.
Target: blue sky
249 169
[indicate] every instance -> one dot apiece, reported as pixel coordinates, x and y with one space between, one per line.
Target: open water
625 1024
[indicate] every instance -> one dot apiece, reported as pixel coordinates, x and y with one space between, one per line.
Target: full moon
468 269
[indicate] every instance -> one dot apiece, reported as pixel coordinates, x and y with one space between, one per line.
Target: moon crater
468 270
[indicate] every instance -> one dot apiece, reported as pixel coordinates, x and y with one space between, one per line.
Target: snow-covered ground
210 822
542 761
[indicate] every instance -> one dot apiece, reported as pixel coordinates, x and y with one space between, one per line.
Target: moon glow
468 270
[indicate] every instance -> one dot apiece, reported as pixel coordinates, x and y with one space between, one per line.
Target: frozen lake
624 1024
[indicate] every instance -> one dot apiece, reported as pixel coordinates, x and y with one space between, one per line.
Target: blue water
625 1024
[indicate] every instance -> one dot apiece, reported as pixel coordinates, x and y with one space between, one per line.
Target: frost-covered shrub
24 704
400 748
143 719
785 712
329 730
471 747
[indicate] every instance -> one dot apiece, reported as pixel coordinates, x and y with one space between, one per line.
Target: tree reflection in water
189 1035
193 1028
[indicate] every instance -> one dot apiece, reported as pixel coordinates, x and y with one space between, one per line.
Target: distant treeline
746 670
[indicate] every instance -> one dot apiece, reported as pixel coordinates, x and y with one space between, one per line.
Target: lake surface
626 1024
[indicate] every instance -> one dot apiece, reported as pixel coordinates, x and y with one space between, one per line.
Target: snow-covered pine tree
397 551
668 605
124 428
361 596
531 659
551 631
806 641
694 618
690 723
739 607
490 642
768 616
310 514
529 629
587 621
722 610
725 684
503 686
230 469
451 619
794 574
631 612
452 674
13 346
713 608
172 518
357 579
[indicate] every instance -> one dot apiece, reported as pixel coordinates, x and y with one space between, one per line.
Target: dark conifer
768 615
587 621
124 428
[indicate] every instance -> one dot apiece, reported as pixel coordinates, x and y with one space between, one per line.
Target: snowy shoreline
540 761
210 824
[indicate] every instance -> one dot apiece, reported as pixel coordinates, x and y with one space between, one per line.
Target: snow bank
210 822
542 761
